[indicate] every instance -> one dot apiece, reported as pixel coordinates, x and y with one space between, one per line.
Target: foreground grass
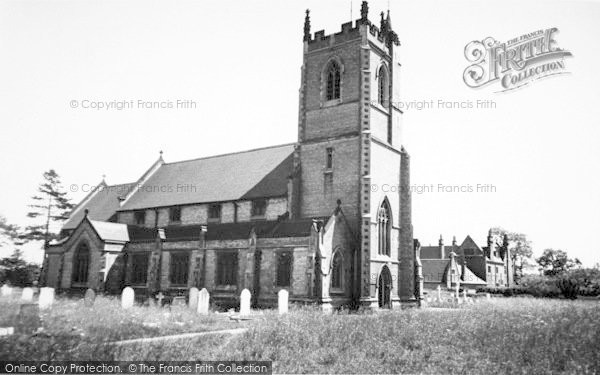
516 335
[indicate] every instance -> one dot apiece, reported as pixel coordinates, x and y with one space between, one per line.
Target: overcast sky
239 61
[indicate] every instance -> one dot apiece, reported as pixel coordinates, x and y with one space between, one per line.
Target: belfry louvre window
81 264
333 81
178 270
384 226
384 89
227 266
139 268
284 268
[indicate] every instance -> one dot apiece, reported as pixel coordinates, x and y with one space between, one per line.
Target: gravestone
245 302
159 298
27 295
203 301
282 301
464 294
439 293
488 296
193 300
127 298
28 320
178 301
46 298
89 298
6 290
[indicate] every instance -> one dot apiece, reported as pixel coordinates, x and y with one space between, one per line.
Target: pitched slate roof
433 252
242 175
102 203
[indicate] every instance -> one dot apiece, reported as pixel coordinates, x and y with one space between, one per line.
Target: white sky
240 62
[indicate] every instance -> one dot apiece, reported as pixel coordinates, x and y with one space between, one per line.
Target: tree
556 262
17 272
10 234
51 205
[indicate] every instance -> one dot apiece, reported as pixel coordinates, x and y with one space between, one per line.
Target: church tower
350 151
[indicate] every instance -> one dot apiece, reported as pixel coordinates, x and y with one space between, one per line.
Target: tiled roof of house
433 252
102 203
434 270
242 175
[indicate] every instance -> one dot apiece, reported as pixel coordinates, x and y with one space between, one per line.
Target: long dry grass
513 335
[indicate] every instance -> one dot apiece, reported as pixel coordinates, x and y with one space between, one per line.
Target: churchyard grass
504 335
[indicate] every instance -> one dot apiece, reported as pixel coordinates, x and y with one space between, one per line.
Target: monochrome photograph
269 187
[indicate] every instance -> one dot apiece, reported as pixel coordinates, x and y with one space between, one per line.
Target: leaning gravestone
28 320
203 301
282 301
193 300
46 298
27 295
89 298
245 302
6 290
127 298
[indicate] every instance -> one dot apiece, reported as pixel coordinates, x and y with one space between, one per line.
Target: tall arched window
383 87
384 227
333 76
81 263
337 271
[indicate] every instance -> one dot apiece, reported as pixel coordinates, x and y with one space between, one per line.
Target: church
309 217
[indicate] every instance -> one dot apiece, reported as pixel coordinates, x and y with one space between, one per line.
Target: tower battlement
351 30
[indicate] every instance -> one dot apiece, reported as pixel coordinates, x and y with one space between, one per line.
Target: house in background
471 265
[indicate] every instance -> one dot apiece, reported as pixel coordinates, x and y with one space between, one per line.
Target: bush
568 287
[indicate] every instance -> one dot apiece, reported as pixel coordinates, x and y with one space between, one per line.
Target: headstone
245 302
159 298
439 293
203 301
282 301
127 298
46 298
178 301
488 296
89 298
27 295
7 331
193 300
6 290
464 294
28 320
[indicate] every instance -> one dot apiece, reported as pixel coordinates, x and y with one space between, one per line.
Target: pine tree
51 205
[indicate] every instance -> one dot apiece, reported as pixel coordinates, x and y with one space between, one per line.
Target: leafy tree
50 206
556 262
17 272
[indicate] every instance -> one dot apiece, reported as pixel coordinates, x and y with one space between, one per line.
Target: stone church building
310 217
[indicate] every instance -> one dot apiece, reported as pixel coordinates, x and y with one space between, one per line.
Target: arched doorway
384 287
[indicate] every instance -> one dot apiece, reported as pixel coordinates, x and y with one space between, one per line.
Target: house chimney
441 247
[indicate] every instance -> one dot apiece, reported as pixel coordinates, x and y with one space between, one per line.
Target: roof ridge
230 153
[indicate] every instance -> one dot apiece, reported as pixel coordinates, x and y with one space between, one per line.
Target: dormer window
333 76
214 212
259 208
175 214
